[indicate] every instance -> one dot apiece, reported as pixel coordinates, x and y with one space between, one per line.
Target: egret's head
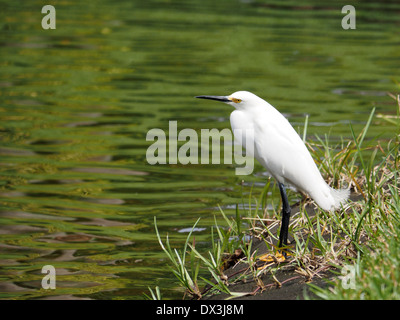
239 99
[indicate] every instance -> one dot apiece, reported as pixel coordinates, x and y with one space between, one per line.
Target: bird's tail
340 197
329 199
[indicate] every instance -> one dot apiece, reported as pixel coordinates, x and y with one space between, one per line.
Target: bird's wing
279 148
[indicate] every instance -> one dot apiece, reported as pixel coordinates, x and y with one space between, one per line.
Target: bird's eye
236 100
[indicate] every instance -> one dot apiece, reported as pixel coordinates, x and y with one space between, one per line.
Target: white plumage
279 149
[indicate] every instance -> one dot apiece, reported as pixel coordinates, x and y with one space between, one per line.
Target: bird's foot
278 257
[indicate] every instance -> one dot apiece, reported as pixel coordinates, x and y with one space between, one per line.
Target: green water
76 191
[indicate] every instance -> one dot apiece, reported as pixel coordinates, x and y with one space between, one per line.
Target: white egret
279 148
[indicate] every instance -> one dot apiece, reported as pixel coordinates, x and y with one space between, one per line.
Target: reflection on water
76 104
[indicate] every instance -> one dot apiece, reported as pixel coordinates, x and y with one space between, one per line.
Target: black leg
283 236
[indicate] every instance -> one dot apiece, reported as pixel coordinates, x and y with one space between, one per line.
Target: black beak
217 98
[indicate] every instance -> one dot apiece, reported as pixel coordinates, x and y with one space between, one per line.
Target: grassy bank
361 242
